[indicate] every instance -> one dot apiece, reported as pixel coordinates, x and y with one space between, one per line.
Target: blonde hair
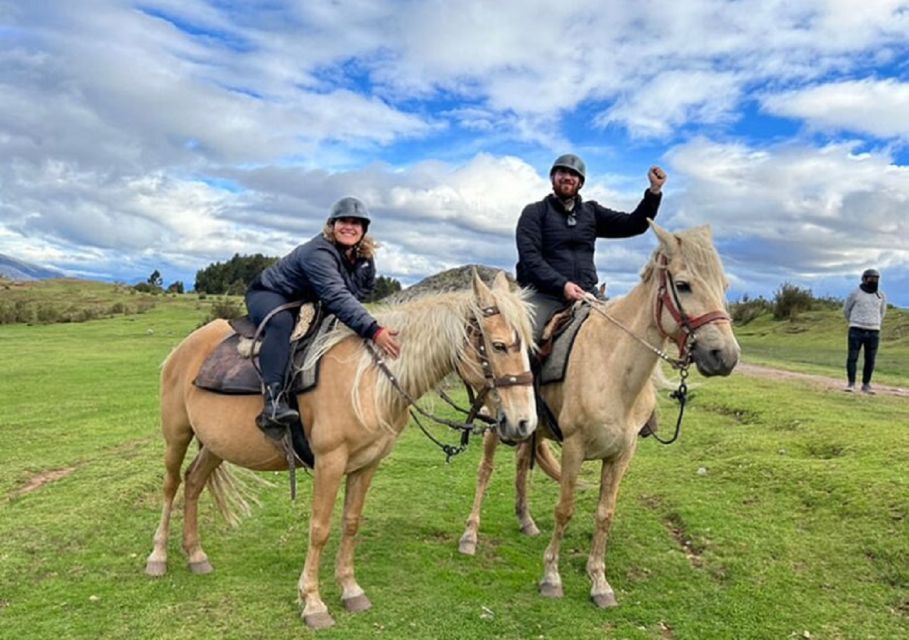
365 248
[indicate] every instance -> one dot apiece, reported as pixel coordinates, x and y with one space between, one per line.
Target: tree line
234 276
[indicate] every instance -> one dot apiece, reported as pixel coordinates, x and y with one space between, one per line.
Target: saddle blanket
227 371
556 363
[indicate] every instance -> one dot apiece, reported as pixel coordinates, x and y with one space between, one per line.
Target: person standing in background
864 310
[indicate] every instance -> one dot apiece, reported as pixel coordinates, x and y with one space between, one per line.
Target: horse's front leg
572 457
329 470
610 476
352 594
468 543
523 457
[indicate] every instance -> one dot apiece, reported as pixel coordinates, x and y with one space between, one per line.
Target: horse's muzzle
716 361
515 431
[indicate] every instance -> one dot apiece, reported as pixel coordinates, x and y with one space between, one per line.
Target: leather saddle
231 368
557 341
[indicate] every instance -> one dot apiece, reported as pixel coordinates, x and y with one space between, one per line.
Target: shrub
747 309
224 308
791 300
48 313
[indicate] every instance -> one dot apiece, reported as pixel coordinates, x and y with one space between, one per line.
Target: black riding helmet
350 207
572 163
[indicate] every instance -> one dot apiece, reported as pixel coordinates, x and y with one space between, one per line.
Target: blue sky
170 134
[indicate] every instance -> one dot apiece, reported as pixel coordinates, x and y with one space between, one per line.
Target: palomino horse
607 392
352 418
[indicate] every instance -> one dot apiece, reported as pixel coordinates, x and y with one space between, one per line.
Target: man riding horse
556 237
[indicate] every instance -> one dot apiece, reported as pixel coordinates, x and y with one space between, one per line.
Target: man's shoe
850 388
866 388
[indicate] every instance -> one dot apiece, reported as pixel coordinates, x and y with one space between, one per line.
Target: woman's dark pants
275 350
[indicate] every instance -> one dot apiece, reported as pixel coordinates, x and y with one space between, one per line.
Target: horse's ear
668 240
501 282
480 290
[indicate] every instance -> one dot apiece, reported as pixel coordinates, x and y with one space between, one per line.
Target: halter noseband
668 298
493 383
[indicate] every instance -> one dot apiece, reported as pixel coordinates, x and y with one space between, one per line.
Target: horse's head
496 363
691 299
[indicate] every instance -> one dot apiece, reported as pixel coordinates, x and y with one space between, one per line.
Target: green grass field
783 512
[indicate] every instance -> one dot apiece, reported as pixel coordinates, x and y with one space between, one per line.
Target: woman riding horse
352 417
336 268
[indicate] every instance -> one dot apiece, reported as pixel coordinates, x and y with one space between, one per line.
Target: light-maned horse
607 393
352 418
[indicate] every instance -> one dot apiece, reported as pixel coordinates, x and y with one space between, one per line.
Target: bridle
668 298
491 384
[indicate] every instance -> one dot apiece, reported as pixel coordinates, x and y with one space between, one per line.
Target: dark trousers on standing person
867 339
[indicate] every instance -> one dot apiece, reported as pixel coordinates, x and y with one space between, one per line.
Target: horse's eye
683 287
500 347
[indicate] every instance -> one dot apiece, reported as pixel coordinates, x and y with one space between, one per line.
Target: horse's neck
634 360
425 367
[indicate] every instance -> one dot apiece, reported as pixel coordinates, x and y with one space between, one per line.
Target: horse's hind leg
523 457
468 542
177 438
352 594
196 475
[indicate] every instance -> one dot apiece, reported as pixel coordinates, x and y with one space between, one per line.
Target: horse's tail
234 493
546 460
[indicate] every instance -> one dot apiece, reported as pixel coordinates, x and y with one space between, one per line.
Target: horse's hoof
530 530
155 568
550 590
467 547
201 568
605 600
316 621
357 603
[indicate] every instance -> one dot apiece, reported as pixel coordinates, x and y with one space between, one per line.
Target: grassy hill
815 342
65 300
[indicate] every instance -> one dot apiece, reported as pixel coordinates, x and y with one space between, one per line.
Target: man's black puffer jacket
551 252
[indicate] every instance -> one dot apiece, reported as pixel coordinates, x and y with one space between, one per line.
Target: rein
492 385
684 341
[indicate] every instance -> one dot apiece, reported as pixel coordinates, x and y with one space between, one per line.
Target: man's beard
566 191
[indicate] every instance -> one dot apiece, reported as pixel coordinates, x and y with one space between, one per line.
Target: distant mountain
19 270
451 280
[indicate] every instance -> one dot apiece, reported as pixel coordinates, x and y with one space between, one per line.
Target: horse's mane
433 335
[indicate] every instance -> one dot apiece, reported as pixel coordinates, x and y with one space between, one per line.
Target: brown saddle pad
227 371
557 349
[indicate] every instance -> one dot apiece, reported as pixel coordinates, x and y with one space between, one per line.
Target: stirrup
273 429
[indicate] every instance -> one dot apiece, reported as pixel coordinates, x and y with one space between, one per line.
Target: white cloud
876 107
118 121
794 209
672 99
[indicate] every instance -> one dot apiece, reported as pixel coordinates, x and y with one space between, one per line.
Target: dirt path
823 382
